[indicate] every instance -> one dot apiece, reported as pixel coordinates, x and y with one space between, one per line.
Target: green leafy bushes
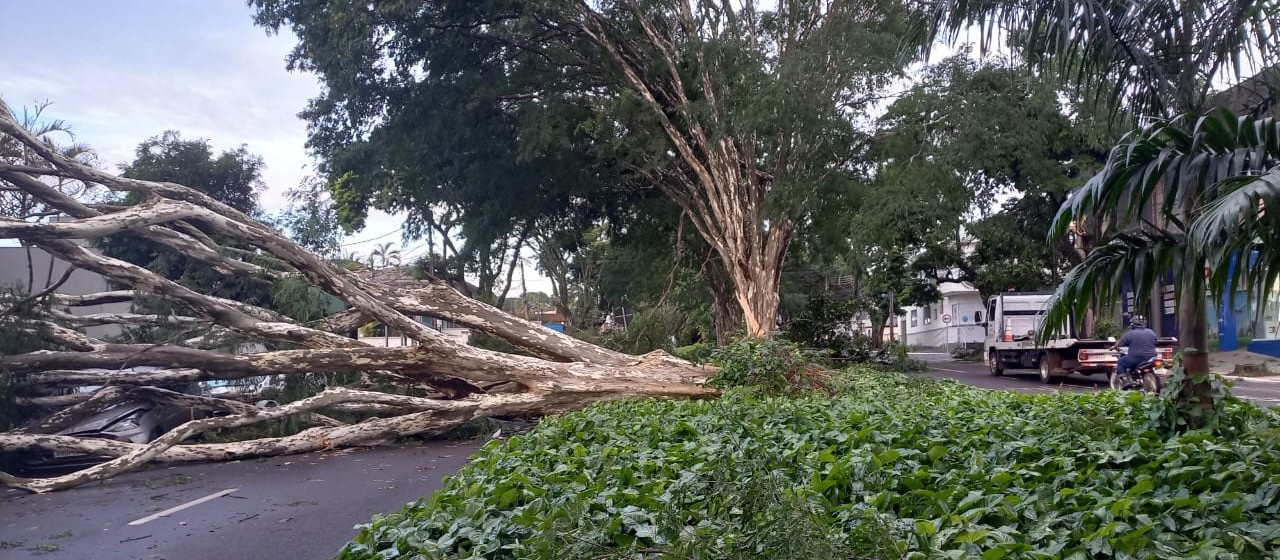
772 366
698 352
895 468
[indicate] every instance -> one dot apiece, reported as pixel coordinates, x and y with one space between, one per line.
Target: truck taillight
1082 356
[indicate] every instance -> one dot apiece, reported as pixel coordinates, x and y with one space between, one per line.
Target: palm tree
1154 60
384 255
1234 220
1227 163
16 203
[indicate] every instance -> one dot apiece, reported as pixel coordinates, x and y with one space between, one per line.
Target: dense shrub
897 468
698 352
1105 328
772 366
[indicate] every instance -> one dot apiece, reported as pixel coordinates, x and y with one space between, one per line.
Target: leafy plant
772 366
896 467
824 324
1106 328
698 352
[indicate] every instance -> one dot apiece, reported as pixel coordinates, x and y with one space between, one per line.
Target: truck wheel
1045 373
997 367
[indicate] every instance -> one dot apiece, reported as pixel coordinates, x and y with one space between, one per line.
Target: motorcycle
1147 377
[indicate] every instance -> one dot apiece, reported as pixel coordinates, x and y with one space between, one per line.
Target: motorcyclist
1141 342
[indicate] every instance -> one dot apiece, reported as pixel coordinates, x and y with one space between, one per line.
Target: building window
914 321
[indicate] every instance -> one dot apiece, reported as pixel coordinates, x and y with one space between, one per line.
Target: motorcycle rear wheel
1115 381
1151 383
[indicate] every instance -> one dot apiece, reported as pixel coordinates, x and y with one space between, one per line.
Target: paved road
1028 381
301 507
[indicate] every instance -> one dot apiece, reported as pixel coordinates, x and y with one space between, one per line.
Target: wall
455 334
14 274
927 329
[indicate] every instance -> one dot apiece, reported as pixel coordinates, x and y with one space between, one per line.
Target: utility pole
893 317
431 250
524 291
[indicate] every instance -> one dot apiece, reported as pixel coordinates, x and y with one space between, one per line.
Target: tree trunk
567 373
758 296
728 314
1193 317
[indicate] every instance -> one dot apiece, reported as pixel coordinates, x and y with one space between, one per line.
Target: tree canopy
520 113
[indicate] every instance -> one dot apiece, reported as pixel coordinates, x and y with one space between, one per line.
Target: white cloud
121 72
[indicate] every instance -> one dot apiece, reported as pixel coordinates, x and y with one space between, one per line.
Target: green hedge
896 468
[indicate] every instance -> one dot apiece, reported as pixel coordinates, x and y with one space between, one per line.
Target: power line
397 230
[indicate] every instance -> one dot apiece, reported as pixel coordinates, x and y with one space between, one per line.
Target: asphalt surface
300 507
941 366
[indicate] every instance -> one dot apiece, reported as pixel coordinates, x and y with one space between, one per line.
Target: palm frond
1155 57
1140 258
1244 217
1175 159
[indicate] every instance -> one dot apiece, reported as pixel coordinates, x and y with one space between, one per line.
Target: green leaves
1173 195
896 468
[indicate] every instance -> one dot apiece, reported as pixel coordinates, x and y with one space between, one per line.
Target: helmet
1138 322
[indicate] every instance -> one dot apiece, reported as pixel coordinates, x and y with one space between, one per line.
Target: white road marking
181 507
950 370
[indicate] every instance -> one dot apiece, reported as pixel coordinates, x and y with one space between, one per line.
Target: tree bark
567 373
719 185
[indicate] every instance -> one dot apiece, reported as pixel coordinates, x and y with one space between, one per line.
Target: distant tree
232 177
384 256
20 205
942 162
311 219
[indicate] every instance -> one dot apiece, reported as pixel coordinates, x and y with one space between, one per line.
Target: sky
121 71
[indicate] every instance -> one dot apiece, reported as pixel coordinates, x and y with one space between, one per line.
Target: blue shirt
1141 342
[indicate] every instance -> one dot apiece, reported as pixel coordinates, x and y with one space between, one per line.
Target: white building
379 335
20 266
957 318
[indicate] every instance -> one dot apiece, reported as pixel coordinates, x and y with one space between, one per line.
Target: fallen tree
460 382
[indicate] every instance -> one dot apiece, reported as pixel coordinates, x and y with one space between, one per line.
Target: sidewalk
1229 363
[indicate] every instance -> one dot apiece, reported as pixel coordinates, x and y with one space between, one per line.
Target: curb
1240 379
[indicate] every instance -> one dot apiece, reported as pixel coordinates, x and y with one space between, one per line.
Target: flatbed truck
1013 321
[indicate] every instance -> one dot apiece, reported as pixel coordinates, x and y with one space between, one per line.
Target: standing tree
941 161
384 256
1156 60
736 112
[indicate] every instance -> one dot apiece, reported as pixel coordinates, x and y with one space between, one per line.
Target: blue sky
121 71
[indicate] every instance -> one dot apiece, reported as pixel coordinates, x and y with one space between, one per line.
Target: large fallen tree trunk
563 373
